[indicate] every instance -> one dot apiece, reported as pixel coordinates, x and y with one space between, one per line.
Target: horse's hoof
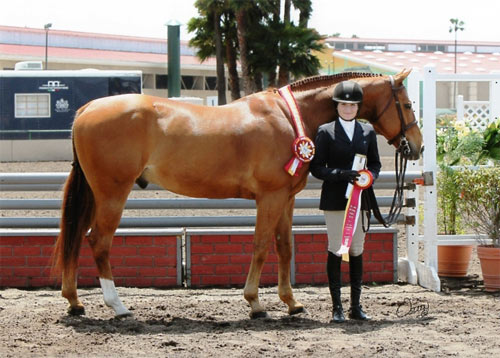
260 314
297 310
76 311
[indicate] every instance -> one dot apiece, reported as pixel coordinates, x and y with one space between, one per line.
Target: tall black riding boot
356 273
335 283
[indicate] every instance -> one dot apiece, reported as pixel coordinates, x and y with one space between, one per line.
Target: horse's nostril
422 150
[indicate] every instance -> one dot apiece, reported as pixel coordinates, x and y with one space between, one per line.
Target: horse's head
391 113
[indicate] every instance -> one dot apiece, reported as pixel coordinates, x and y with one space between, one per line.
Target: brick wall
224 259
140 261
214 258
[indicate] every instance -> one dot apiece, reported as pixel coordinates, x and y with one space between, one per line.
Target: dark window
187 82
211 83
161 81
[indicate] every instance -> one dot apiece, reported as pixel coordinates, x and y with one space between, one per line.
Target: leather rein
400 169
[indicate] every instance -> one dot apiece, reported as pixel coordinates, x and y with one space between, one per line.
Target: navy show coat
334 150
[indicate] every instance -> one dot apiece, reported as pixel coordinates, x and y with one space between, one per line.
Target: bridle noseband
404 146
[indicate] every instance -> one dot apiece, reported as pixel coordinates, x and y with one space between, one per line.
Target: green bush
479 201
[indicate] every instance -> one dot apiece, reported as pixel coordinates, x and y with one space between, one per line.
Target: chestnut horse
232 151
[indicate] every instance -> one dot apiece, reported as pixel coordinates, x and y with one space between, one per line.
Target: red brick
240 259
86 261
214 280
241 239
203 270
115 261
321 238
210 259
165 240
372 266
123 251
374 245
165 261
238 280
88 272
382 277
303 238
318 279
165 282
228 248
313 247
388 245
6 271
86 251
38 261
310 268
47 250
381 236
26 251
209 239
39 240
28 271
5 251
152 251
14 282
124 272
11 240
138 261
299 258
139 240
13 261
202 249
269 279
228 270
136 282
43 282
118 241
388 266
320 258
382 256
152 271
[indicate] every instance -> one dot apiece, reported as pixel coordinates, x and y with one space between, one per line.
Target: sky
387 19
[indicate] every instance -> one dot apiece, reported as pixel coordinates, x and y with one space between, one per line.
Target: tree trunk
248 87
283 75
221 77
234 82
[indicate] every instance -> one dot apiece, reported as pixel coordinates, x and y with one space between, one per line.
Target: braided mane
325 81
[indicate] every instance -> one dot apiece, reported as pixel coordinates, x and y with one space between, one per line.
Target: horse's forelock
328 80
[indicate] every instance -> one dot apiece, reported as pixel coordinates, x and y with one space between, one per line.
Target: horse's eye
408 105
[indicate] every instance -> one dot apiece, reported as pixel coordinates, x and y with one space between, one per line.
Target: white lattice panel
477 114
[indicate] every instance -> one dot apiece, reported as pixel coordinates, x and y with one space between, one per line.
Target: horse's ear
401 76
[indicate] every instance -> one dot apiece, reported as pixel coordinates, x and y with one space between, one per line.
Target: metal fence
54 182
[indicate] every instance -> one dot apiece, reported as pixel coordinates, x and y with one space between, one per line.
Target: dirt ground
408 321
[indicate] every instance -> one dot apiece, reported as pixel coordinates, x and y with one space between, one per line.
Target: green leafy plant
480 200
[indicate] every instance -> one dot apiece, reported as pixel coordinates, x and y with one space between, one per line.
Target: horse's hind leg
108 214
284 250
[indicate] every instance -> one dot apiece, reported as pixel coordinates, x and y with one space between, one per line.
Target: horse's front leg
284 250
269 208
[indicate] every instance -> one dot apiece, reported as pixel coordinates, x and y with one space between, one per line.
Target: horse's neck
316 108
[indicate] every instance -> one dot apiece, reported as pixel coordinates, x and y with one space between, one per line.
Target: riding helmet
348 92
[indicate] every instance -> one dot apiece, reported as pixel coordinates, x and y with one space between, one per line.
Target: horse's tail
77 214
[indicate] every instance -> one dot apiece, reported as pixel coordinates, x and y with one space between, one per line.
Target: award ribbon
303 147
352 211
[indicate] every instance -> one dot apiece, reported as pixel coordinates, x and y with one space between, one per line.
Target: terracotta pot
489 256
454 260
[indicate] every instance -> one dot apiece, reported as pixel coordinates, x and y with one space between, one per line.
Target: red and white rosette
364 181
303 147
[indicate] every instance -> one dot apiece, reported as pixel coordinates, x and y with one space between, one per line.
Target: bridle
401 161
404 146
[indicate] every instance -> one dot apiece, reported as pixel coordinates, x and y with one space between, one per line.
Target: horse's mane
325 81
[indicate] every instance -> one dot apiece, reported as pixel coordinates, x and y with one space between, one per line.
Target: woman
337 143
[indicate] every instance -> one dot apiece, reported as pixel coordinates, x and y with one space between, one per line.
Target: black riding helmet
348 92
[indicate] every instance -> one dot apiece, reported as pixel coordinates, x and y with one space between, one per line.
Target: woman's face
347 111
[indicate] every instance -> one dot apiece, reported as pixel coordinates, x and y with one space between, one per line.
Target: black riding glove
343 175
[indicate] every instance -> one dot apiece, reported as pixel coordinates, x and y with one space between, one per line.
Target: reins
400 158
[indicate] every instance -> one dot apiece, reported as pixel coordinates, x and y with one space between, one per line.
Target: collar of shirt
348 127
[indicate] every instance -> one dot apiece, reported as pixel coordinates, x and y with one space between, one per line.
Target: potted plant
480 205
456 144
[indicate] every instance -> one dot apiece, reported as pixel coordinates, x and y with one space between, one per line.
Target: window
32 105
161 81
210 83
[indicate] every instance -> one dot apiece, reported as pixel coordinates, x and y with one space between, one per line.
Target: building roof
467 62
21 44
